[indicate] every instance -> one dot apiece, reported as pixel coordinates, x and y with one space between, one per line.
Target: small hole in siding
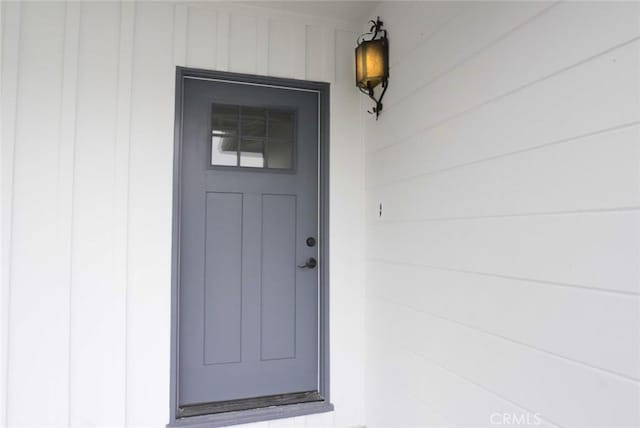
380 210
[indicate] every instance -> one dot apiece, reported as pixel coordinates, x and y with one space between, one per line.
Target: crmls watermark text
515 419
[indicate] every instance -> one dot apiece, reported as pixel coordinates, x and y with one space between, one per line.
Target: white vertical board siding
320 49
97 301
38 354
202 30
8 94
121 153
243 43
347 245
503 274
151 145
222 41
287 45
87 145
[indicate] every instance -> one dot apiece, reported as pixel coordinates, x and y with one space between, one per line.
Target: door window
251 137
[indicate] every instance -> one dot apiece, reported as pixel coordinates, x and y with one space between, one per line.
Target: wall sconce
372 63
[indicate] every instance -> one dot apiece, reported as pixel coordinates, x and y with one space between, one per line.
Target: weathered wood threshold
248 403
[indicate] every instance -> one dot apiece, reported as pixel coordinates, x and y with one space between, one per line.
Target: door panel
278 292
248 315
223 278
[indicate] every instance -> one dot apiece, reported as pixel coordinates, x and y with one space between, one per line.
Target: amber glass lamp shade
372 65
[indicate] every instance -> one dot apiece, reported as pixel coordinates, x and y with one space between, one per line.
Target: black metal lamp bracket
376 28
378 107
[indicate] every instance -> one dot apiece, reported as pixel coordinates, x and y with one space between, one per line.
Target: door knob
309 264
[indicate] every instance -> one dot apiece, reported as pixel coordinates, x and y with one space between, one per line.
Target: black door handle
309 264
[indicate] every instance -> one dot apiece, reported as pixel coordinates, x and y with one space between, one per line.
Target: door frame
275 412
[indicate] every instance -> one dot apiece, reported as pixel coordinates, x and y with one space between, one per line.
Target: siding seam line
134 25
115 191
515 278
505 154
123 199
187 38
72 163
620 209
19 43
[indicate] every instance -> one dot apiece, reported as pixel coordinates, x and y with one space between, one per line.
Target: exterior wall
503 275
87 140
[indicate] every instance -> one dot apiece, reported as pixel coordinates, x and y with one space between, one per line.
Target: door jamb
254 415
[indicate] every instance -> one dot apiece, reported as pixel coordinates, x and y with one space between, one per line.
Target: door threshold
248 403
256 414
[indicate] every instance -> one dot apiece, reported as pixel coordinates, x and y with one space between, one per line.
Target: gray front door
248 274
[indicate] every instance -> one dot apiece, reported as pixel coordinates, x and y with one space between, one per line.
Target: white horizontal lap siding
87 188
436 388
593 249
596 172
595 98
569 394
416 22
562 37
489 22
502 276
597 333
